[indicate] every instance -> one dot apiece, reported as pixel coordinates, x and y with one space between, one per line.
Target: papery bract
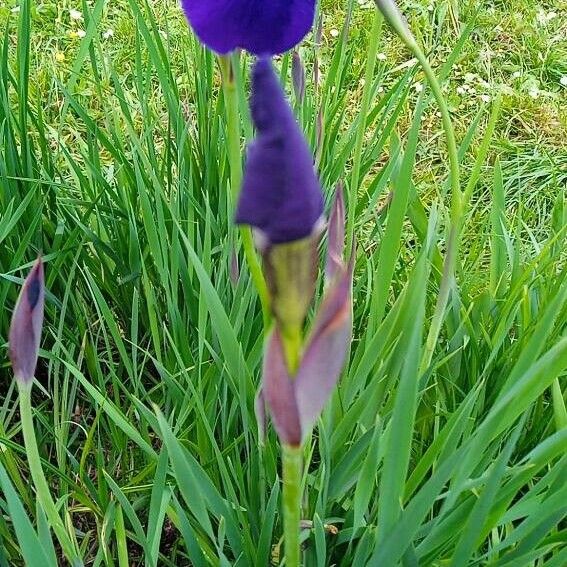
281 194
295 403
291 274
278 392
262 27
326 351
27 322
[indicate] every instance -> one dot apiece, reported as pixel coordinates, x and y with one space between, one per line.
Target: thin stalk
235 160
291 471
394 17
375 36
456 216
40 483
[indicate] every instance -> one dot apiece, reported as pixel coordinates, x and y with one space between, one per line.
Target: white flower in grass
108 34
461 90
15 9
485 98
334 32
418 87
563 81
534 92
544 17
381 57
75 15
81 34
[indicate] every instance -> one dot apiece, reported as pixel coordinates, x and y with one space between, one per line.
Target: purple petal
27 321
325 355
281 195
263 27
336 234
278 393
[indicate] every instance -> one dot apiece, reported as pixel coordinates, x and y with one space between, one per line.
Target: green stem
40 483
456 217
292 343
375 36
235 160
291 470
457 199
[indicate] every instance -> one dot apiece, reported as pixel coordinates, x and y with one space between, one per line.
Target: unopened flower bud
27 322
298 76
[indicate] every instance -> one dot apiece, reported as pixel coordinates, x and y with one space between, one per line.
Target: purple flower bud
298 76
263 27
336 235
281 195
27 321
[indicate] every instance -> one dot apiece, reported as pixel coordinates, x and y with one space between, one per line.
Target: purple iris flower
295 402
263 27
281 194
27 321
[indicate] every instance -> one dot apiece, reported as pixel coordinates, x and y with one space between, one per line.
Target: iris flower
262 27
281 194
281 199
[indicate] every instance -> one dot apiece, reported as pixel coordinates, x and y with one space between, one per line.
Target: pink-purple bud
278 392
336 235
27 322
326 350
298 76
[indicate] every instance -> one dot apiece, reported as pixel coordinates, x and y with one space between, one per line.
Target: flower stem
457 200
456 214
291 470
235 160
40 483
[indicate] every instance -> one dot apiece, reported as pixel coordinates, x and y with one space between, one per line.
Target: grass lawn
443 448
